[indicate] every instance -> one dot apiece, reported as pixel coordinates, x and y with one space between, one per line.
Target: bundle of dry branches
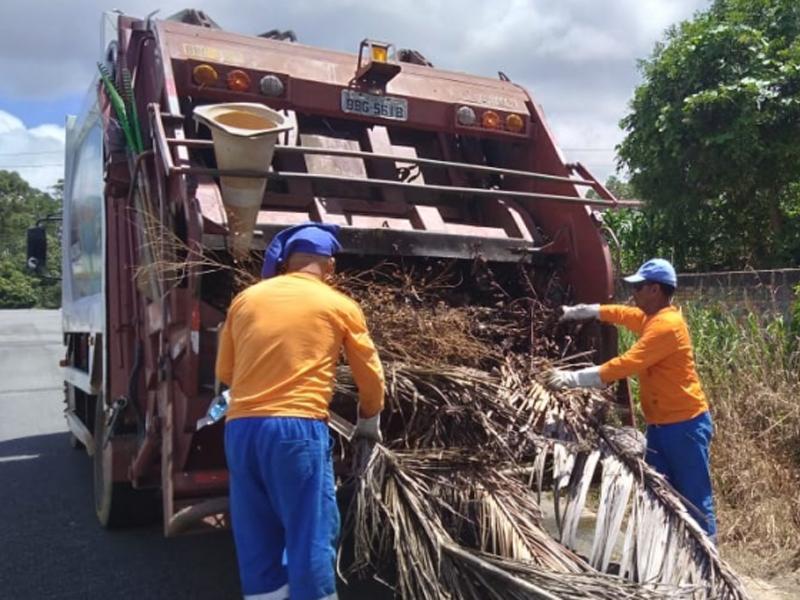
450 505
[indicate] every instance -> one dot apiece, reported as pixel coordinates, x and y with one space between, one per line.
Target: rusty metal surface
354 181
396 243
440 164
316 76
421 187
302 62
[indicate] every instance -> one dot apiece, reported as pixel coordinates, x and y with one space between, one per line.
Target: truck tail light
490 120
238 81
515 123
205 75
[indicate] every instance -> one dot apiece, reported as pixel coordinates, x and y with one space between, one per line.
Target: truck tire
117 504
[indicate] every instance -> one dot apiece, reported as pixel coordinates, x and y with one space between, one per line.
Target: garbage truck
195 142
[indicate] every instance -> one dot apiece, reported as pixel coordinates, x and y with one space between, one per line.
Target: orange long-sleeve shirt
280 345
662 357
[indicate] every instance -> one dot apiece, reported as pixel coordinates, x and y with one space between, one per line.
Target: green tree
20 207
712 137
633 230
16 289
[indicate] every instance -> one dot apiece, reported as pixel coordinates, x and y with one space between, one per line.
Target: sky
578 58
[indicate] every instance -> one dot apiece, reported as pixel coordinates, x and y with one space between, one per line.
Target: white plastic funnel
244 136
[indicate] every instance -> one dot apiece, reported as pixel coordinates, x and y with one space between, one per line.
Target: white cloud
9 123
37 154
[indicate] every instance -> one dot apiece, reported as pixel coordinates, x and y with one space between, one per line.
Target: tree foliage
20 207
712 138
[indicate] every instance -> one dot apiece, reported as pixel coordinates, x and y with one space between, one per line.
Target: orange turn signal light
238 81
205 75
490 120
515 123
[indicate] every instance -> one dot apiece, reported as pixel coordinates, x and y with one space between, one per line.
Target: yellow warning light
515 123
377 64
205 75
380 53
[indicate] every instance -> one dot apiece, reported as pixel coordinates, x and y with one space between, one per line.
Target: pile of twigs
436 313
450 505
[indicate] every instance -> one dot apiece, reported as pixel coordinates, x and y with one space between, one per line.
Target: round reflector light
205 75
271 85
238 81
466 116
515 123
490 120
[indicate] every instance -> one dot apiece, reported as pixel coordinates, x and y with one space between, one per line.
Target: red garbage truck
410 160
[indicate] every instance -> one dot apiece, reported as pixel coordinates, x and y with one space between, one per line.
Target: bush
749 367
16 289
20 207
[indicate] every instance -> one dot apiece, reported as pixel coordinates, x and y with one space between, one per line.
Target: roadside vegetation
749 366
20 207
711 139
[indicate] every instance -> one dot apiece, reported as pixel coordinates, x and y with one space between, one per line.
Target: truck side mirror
37 248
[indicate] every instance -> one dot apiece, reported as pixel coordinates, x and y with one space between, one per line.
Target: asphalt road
51 545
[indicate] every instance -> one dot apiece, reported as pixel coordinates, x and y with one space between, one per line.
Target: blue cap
656 270
310 238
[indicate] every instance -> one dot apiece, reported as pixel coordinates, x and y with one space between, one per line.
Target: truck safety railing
183 515
165 145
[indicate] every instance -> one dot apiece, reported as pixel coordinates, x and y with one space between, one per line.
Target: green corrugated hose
126 115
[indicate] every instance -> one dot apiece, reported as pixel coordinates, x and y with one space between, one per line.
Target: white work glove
580 312
369 428
560 379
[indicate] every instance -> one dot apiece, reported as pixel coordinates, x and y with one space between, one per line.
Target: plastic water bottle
216 410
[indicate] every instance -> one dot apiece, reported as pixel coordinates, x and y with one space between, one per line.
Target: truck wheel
117 504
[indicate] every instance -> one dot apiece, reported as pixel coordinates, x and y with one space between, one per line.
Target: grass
749 365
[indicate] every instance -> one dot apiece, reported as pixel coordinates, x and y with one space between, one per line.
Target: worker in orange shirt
679 426
278 352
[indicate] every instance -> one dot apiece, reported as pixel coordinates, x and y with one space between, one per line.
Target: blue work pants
282 497
680 452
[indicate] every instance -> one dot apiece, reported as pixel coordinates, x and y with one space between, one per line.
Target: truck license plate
370 105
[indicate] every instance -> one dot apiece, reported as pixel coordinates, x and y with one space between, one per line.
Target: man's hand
560 379
369 428
580 312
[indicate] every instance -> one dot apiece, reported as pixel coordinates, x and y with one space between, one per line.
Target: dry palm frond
510 430
456 474
615 491
451 506
168 258
579 585
426 515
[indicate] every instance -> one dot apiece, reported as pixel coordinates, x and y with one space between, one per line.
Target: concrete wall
767 291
